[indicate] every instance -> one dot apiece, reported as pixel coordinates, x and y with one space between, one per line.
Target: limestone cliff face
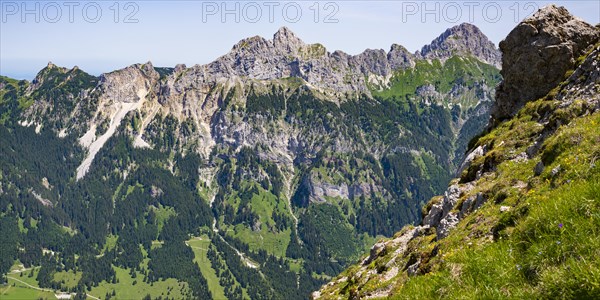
198 94
336 74
464 39
537 54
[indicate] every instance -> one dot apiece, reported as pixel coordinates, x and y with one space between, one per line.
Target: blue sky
99 36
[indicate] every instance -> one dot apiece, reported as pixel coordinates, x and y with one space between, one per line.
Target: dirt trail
46 290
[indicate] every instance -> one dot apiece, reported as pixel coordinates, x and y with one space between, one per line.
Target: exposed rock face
319 190
336 73
123 85
440 215
464 39
477 152
584 82
399 57
537 54
286 40
288 56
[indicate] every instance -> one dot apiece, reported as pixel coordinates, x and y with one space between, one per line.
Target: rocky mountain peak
51 66
147 67
46 74
179 68
251 45
286 55
551 14
537 54
400 57
124 85
398 48
284 42
285 39
463 39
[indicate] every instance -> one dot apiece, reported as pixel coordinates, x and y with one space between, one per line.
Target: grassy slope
200 247
538 234
125 289
262 204
20 291
70 278
456 70
546 245
10 100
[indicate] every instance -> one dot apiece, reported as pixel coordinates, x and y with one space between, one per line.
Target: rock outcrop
286 55
550 41
464 39
584 82
536 56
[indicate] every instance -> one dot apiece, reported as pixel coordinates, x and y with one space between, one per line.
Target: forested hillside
260 175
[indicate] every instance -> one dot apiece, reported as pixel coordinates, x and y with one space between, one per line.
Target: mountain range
262 174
